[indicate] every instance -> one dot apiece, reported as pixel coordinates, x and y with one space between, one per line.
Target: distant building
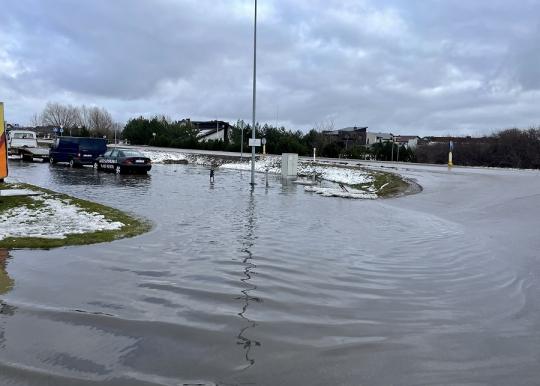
348 136
213 130
409 141
358 136
373 138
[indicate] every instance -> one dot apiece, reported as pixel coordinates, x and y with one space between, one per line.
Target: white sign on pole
254 142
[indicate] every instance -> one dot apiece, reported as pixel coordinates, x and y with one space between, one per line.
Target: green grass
132 226
385 184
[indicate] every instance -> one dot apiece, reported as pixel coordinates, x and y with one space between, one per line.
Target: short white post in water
451 149
314 154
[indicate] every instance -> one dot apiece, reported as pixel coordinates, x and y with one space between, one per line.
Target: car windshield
131 153
92 144
23 135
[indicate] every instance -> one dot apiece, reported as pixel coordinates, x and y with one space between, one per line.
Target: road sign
254 142
451 145
55 129
61 130
263 141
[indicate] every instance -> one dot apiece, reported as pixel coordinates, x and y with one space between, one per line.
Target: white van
19 139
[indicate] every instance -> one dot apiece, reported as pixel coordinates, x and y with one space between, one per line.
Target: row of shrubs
509 148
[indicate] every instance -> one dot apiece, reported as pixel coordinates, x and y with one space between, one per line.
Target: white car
24 143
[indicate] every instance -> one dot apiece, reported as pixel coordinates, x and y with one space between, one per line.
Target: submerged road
282 287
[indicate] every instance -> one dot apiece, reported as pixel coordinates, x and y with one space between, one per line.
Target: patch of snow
52 218
272 164
333 192
348 176
162 156
18 192
343 175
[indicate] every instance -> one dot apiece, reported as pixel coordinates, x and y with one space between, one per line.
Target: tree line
79 121
183 134
512 148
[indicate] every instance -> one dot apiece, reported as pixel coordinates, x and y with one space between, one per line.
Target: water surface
279 287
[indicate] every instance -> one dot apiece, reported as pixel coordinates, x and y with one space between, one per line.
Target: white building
373 138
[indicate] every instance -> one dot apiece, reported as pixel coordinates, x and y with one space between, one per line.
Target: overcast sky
410 67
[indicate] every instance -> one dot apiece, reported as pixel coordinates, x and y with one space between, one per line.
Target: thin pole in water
242 141
254 96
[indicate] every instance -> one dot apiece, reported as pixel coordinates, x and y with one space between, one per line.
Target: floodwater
281 287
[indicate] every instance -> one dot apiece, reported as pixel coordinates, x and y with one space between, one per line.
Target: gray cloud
413 67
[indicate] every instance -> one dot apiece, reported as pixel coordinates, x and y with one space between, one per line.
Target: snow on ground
52 218
272 164
348 176
17 192
333 192
162 156
336 174
342 175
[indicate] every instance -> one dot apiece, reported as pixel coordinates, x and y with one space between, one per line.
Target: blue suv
77 151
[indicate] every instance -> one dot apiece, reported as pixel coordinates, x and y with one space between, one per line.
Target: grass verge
132 226
385 184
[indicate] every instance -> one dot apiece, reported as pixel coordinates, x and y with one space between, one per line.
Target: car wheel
71 163
118 169
51 160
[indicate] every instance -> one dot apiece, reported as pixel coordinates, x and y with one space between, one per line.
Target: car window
93 144
121 154
107 153
114 153
132 153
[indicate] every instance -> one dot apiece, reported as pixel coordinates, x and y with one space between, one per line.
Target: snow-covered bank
272 164
51 218
348 176
33 217
349 193
163 156
327 174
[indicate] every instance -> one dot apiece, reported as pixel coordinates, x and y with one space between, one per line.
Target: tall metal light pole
242 140
254 96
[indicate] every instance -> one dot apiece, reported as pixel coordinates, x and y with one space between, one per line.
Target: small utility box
289 165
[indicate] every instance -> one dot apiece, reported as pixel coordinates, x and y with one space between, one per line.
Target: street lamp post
242 140
254 96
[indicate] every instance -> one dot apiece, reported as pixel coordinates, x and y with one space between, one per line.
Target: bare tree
56 114
93 121
326 125
35 120
100 122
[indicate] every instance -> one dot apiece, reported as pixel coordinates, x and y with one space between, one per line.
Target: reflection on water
6 282
268 287
247 242
64 175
